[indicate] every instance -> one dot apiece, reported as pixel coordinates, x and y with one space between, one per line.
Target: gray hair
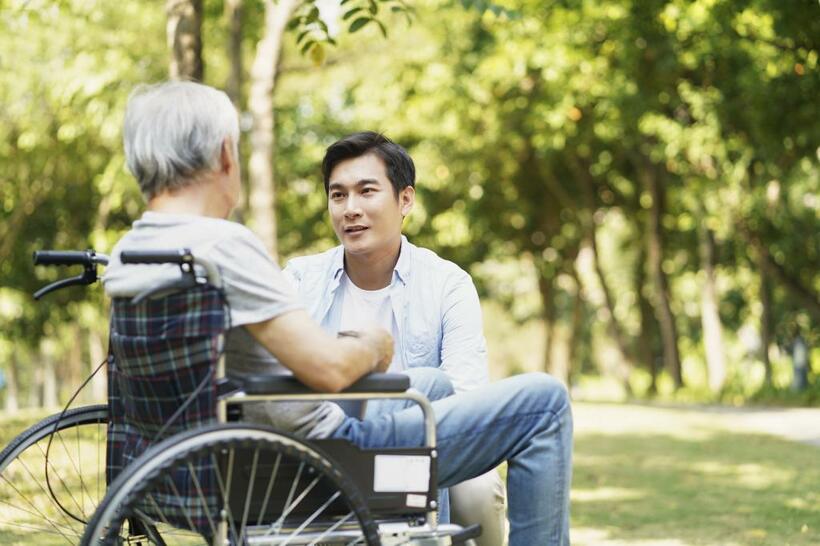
173 131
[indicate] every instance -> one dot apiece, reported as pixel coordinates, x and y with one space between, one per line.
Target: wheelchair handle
69 257
89 259
177 256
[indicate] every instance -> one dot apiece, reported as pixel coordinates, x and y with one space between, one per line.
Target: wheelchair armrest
288 384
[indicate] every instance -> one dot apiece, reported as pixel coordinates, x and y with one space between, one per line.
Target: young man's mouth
354 229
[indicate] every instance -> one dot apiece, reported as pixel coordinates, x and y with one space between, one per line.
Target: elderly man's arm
319 360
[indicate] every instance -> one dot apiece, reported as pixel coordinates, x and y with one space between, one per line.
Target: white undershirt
368 309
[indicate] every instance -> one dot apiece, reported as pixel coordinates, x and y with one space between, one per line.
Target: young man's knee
431 382
544 387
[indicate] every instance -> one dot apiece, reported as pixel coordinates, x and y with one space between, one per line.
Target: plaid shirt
160 351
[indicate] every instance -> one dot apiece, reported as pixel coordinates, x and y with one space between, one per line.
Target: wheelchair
169 460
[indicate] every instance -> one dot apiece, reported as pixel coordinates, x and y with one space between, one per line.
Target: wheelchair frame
267 388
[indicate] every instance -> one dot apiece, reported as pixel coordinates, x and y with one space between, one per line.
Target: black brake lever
89 276
62 283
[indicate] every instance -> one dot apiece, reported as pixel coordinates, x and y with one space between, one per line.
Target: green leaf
359 23
351 13
295 23
382 28
302 36
374 7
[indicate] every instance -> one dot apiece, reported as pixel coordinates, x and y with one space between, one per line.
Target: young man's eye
335 195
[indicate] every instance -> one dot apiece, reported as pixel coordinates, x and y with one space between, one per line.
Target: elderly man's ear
227 159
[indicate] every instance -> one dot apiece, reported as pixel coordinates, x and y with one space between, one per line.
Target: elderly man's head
176 132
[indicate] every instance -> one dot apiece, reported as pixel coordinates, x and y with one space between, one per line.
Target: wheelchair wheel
232 484
49 500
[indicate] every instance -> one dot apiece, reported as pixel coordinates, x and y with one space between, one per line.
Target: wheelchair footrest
473 531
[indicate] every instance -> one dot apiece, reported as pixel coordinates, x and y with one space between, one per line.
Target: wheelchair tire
46 501
146 495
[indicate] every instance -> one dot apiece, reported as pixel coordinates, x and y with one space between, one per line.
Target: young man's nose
352 207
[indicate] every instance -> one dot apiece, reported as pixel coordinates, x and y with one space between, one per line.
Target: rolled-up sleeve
463 347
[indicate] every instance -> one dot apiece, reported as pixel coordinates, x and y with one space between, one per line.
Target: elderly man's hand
380 341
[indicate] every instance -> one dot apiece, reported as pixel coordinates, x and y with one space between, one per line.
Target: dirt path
795 424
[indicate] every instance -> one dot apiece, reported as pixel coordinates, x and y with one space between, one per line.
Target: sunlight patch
606 494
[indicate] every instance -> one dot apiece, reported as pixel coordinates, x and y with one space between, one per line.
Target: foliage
533 125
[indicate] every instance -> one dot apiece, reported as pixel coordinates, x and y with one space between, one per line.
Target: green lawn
672 477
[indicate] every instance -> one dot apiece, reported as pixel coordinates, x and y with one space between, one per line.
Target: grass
671 477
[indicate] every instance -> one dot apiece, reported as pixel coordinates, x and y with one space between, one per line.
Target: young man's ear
407 197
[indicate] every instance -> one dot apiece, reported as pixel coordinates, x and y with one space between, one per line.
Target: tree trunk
614 329
573 366
233 13
47 356
96 351
710 317
669 333
72 374
263 83
766 328
649 327
802 295
546 287
184 36
12 403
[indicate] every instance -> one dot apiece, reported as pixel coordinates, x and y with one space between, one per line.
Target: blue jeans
525 420
435 385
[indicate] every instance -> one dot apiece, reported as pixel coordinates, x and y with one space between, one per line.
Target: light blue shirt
435 305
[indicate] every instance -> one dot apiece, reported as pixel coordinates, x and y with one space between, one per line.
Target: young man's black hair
399 165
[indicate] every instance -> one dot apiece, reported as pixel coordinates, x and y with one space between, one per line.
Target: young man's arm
463 347
319 360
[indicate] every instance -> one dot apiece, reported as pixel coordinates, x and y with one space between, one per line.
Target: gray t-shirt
256 291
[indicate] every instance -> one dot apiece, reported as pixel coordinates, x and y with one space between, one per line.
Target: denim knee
431 382
543 388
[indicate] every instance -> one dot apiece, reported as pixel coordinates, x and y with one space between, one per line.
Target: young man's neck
373 271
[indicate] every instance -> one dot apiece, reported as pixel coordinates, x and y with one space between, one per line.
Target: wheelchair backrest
163 356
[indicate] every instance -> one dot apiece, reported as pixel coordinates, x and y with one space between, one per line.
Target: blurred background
633 184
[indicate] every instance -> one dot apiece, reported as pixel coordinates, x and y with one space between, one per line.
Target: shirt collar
402 268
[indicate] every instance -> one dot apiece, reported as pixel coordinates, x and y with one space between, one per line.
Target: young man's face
365 212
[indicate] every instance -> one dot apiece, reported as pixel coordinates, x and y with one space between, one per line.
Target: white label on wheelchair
401 473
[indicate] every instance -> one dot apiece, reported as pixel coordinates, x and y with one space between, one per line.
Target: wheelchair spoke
248 496
205 506
225 487
269 488
276 525
312 517
290 507
181 503
42 490
75 534
332 528
28 501
159 511
50 464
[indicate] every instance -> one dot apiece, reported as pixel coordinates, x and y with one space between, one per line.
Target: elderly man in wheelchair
225 424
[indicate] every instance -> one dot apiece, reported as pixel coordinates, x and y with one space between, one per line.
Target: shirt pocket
422 348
